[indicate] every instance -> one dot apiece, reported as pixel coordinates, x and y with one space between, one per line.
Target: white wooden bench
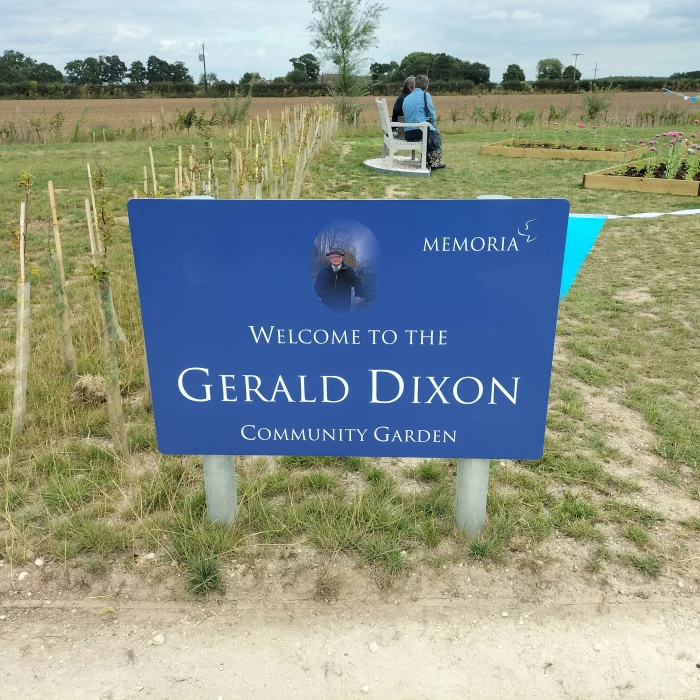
393 144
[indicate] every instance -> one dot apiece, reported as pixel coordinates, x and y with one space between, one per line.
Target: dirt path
431 648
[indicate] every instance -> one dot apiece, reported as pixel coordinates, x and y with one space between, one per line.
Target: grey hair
409 84
422 82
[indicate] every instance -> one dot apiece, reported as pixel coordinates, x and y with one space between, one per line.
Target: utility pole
203 59
575 55
595 71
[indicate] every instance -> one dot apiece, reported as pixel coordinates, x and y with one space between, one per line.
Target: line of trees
15 68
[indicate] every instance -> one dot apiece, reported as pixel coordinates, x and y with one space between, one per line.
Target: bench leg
413 155
424 156
383 150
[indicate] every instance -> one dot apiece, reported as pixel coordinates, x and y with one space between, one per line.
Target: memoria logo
479 244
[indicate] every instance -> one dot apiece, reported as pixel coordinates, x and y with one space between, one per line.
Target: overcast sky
625 37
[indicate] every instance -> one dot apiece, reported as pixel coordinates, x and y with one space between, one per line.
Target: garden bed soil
634 180
533 148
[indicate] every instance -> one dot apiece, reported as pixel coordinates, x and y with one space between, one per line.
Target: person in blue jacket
335 282
418 107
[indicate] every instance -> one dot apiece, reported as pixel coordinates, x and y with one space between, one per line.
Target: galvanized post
220 486
470 500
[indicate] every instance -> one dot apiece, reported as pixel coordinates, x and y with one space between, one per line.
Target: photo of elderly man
336 281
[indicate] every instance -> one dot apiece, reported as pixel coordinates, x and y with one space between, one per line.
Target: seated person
418 107
408 86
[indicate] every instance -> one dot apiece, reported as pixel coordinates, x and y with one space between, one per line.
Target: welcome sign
371 328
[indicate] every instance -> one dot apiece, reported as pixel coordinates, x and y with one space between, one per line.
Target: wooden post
193 183
62 311
179 168
145 180
177 184
92 195
108 337
153 172
22 337
136 194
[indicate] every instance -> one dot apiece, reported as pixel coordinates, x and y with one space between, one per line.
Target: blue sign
368 328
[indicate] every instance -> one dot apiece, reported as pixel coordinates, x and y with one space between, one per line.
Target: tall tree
45 73
179 73
513 73
137 72
478 73
549 69
112 70
343 30
571 73
15 66
309 65
157 70
84 72
416 63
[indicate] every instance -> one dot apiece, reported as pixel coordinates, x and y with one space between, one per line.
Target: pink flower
692 136
641 141
657 135
697 121
654 150
590 133
595 127
555 123
581 126
652 143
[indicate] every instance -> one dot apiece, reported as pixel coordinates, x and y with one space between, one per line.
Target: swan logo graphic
528 237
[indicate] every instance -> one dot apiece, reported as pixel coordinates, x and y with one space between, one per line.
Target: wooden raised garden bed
607 180
562 150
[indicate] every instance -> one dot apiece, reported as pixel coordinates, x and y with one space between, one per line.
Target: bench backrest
384 120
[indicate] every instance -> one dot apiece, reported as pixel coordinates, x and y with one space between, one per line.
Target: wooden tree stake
153 172
62 311
22 338
108 337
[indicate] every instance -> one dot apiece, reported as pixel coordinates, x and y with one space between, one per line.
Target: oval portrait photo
343 266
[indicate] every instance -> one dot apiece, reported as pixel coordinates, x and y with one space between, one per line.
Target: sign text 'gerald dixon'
386 387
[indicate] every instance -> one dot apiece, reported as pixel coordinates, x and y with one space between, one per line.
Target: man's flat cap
335 251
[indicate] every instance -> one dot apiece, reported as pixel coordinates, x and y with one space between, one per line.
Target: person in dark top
408 86
334 283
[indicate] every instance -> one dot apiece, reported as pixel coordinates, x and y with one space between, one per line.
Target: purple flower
654 150
697 121
652 143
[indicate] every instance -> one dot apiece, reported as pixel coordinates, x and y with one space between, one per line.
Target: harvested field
626 107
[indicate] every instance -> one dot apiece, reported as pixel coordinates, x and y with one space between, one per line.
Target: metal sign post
471 491
220 486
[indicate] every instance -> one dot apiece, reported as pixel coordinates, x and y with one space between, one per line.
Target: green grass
430 471
629 334
650 566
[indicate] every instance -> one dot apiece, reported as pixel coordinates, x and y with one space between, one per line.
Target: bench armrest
404 124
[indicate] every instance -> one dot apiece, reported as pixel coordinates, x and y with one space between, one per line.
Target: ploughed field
126 113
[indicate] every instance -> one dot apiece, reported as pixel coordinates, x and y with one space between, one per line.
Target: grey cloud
624 36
